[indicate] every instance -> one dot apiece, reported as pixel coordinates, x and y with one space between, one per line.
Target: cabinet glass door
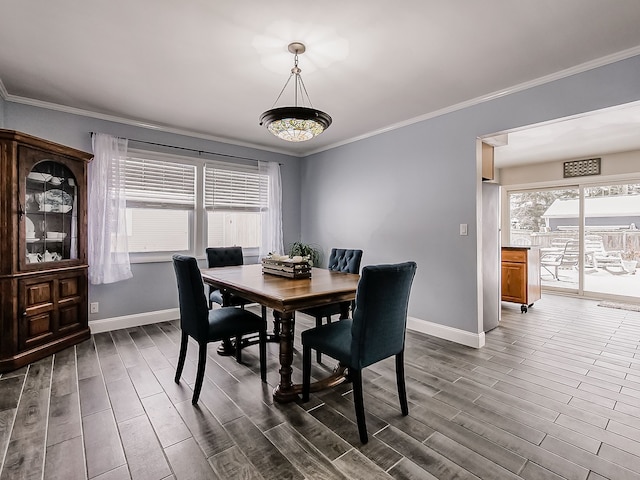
51 213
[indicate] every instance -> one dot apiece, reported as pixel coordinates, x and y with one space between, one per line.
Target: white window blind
234 190
159 183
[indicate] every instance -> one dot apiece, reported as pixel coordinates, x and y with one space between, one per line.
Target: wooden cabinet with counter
521 275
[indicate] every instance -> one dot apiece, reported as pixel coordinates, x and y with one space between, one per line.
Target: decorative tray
286 268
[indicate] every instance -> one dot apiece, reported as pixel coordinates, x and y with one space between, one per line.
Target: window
160 204
177 204
234 201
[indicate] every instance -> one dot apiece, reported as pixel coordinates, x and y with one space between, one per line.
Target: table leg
285 392
344 310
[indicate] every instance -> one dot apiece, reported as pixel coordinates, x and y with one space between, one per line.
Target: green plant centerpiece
305 250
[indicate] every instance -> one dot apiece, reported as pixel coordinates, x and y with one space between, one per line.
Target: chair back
343 260
571 254
224 256
193 303
380 315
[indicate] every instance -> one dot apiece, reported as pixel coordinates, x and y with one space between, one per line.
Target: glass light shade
295 130
295 124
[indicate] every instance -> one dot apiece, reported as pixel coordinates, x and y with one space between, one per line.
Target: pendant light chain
283 89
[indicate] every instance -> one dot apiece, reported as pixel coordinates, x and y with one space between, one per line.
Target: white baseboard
127 321
475 340
462 337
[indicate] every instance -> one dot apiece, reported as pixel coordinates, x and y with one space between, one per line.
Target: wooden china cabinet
43 251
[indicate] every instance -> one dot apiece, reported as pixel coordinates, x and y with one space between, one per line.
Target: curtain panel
107 227
272 238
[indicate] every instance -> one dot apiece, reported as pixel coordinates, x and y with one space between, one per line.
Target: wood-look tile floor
555 393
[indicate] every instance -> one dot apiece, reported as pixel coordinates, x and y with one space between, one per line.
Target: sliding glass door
548 219
588 236
612 239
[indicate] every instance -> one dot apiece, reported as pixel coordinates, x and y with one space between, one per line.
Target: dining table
284 296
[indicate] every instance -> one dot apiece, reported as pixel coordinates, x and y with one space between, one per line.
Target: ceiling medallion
295 123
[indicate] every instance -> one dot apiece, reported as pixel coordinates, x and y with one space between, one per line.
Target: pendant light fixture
296 123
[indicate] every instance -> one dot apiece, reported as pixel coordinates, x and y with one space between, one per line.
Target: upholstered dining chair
225 257
377 331
204 325
340 260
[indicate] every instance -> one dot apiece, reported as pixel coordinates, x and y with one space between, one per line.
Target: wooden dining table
285 296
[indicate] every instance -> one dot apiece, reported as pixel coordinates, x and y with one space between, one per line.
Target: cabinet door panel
514 286
37 310
68 287
38 325
39 293
69 315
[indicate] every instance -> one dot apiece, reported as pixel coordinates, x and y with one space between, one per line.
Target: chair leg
306 372
202 362
318 352
182 356
238 348
402 390
356 377
263 354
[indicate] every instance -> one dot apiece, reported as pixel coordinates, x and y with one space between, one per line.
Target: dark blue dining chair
204 325
225 257
376 332
340 260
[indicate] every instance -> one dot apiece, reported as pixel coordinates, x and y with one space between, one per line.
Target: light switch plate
463 229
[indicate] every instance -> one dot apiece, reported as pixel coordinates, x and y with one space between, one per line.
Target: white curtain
108 250
271 215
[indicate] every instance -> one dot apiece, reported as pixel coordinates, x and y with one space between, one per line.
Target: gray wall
153 285
402 195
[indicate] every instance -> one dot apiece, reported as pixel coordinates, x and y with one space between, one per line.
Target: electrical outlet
94 307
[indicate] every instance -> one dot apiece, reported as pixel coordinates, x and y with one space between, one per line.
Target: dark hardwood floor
555 393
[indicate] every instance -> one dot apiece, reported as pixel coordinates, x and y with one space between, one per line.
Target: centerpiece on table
286 266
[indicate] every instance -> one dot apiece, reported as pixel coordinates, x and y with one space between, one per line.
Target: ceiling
210 68
603 132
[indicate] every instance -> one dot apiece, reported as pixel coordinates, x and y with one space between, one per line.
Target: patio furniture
565 258
595 257
610 260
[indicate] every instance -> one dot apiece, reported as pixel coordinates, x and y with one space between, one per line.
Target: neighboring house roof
613 206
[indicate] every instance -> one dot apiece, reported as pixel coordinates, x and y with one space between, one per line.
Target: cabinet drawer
516 256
